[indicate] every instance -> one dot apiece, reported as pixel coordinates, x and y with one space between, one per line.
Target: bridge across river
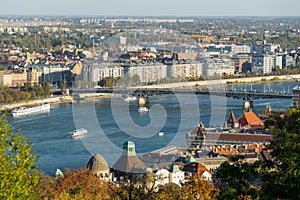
147 92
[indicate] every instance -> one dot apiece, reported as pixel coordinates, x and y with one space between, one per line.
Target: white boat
79 132
31 110
161 133
143 109
129 98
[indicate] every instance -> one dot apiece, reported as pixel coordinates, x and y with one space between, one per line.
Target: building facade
240 49
148 73
185 70
239 60
97 72
218 66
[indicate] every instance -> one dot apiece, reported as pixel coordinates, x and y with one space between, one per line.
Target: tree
237 179
138 186
196 188
168 191
79 184
281 173
193 188
17 170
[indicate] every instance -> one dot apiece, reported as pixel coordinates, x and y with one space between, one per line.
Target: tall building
33 76
55 75
258 63
218 66
185 69
148 72
97 72
265 63
239 60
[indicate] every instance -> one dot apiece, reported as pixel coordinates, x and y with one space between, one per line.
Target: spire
129 149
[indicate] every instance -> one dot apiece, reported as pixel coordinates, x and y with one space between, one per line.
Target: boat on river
30 110
143 109
79 132
130 98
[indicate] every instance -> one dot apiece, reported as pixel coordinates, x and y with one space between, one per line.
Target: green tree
17 170
196 188
281 173
236 179
79 184
46 87
138 187
168 191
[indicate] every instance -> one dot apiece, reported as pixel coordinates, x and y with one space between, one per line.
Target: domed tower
99 166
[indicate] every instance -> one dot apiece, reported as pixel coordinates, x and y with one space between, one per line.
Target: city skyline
153 8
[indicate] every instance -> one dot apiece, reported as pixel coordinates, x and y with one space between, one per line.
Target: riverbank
260 79
53 100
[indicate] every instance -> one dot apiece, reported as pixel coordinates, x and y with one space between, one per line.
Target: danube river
112 122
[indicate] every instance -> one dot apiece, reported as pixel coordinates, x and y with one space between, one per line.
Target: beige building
19 78
184 70
5 78
77 68
235 49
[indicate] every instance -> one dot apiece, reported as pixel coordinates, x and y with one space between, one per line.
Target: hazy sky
152 7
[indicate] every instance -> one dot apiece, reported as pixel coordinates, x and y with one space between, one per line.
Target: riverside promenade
30 103
225 81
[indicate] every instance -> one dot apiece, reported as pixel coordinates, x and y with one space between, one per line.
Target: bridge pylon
143 101
248 105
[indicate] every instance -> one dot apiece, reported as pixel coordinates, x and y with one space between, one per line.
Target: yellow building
33 76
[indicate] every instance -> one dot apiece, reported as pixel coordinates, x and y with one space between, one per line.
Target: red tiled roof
239 137
195 168
250 118
231 119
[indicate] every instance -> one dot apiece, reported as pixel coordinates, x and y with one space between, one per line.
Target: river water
111 122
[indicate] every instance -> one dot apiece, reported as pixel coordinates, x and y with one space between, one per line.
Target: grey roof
98 163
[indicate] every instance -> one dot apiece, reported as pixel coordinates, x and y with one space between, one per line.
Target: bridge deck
147 92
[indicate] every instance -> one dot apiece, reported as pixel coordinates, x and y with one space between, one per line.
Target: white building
122 40
148 73
175 175
218 66
161 177
97 72
266 63
278 61
242 49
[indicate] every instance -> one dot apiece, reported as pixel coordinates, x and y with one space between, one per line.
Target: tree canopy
17 170
281 173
